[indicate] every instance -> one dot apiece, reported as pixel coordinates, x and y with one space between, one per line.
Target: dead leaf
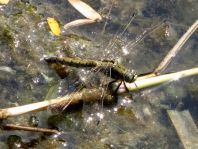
78 23
54 26
4 2
85 10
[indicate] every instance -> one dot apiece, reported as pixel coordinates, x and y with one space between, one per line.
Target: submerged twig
27 128
173 52
185 127
87 95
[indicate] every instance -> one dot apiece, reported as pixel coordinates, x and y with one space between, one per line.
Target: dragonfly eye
130 76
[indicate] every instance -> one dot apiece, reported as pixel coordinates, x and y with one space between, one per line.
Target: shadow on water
25 40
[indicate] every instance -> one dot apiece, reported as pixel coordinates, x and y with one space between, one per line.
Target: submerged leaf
54 26
4 2
85 10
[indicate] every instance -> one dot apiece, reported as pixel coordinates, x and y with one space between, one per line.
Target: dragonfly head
130 76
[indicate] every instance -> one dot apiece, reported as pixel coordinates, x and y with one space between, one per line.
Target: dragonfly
108 67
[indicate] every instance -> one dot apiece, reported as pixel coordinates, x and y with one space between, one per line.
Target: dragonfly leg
125 87
127 90
114 89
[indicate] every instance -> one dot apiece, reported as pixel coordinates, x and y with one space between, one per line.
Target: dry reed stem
173 52
156 80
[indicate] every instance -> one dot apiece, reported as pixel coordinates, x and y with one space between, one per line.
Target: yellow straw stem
156 80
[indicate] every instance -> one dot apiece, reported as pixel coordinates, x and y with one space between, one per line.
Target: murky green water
25 40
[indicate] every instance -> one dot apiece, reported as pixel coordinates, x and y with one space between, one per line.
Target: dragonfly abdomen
109 68
74 62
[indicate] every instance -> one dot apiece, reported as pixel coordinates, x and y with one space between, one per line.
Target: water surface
133 34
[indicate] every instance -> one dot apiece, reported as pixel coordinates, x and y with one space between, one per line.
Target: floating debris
7 69
54 26
4 2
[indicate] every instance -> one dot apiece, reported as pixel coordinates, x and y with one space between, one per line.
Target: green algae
6 35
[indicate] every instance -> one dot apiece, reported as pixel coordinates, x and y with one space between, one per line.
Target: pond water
132 32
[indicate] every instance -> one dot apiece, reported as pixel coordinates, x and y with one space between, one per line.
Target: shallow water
25 40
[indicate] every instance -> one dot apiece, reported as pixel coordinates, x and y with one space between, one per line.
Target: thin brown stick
173 52
27 128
